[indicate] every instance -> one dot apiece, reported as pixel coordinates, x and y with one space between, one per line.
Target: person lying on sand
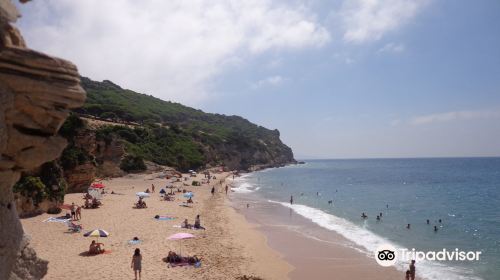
172 257
96 248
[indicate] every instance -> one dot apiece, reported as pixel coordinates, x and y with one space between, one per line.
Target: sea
464 193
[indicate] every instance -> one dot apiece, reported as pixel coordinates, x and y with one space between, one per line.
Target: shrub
73 156
131 163
108 115
31 187
71 126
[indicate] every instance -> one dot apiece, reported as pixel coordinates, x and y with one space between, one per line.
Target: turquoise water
463 193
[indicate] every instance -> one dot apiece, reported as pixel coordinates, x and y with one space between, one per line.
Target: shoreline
230 247
316 250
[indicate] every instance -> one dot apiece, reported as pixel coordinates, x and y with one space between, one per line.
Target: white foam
245 187
369 241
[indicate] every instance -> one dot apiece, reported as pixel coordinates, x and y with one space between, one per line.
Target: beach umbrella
180 236
97 186
96 233
188 195
143 194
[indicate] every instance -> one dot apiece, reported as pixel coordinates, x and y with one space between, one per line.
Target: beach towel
56 220
165 218
134 242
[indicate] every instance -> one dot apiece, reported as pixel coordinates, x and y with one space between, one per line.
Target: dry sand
229 247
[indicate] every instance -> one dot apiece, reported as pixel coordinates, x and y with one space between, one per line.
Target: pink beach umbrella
180 236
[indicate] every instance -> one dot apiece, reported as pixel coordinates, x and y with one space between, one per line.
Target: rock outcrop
36 94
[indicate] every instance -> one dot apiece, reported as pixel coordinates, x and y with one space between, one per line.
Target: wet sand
312 250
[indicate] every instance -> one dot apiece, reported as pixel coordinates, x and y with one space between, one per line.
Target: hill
172 134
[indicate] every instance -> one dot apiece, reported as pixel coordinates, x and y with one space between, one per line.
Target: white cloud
455 116
369 20
392 48
172 49
269 81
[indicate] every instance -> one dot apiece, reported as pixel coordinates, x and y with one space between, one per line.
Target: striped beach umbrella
96 233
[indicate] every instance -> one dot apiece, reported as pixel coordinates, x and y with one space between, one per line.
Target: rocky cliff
36 94
172 134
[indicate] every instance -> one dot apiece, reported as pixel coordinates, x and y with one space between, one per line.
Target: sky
338 79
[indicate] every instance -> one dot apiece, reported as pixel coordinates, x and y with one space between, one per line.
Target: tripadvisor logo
387 255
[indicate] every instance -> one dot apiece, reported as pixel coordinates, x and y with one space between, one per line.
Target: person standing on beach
136 263
291 199
213 190
73 211
152 188
79 213
412 270
226 189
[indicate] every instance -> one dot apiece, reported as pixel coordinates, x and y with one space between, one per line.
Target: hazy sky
339 79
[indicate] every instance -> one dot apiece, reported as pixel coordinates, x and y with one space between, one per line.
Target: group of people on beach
197 223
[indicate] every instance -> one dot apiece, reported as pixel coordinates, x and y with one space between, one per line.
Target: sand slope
229 248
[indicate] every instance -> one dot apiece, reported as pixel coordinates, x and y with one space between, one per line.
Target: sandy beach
237 241
229 247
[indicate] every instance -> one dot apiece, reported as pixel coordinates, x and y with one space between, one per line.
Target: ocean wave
369 241
245 187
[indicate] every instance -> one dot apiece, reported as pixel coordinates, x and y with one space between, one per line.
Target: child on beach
73 211
407 275
136 263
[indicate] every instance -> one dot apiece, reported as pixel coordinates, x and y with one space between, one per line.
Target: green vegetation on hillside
158 144
177 135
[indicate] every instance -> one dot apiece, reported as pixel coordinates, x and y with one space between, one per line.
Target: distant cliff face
175 135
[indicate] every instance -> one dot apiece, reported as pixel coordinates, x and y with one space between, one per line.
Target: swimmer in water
408 226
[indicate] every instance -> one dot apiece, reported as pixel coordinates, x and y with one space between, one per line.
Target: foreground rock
36 93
